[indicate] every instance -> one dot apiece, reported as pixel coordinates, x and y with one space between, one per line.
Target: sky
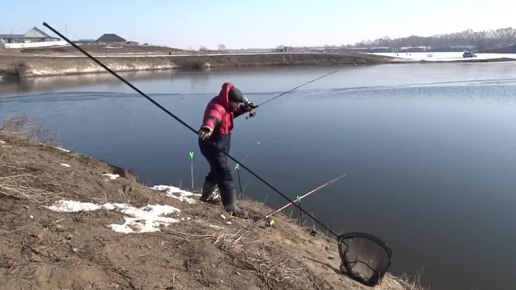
191 24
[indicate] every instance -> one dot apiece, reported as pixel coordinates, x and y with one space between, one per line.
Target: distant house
12 38
32 38
110 38
33 35
85 40
36 35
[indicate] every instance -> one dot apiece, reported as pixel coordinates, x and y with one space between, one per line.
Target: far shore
69 61
33 65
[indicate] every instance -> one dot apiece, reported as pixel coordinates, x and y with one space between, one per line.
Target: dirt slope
44 249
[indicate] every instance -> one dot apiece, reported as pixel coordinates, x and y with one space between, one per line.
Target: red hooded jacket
217 115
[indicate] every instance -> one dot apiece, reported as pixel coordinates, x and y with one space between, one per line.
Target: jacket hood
223 97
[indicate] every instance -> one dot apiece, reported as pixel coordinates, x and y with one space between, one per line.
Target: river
428 149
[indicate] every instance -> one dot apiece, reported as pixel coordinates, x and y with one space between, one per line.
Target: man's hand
248 107
205 133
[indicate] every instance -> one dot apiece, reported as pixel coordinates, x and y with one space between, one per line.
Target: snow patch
2 142
64 164
62 149
137 220
174 192
111 176
73 206
444 56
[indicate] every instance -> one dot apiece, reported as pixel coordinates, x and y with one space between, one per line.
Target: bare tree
482 40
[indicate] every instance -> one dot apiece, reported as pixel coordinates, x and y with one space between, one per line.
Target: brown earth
43 249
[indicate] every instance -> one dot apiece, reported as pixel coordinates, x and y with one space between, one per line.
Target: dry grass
20 186
32 129
412 283
17 178
253 255
22 182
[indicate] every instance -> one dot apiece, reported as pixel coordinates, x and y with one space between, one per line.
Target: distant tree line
482 41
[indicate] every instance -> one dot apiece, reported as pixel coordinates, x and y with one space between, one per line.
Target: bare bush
412 283
34 130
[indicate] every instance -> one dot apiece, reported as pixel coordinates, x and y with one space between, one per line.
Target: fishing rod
185 124
301 85
253 113
300 198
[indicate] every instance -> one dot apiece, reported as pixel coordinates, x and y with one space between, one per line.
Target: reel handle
251 114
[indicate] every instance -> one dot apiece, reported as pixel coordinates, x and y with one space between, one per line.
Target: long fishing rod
184 124
253 113
300 198
301 85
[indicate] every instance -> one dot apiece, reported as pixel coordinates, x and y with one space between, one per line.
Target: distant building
86 40
12 38
33 35
32 38
110 38
284 48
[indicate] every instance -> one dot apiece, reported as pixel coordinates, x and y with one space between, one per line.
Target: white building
33 38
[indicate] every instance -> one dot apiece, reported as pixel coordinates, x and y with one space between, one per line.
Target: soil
44 249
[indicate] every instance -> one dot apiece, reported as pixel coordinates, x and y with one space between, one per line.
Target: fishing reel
249 104
251 114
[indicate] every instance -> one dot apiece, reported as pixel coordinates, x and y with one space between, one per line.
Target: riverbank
55 61
48 249
67 60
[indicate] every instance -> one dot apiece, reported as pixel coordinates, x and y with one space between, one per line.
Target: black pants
213 149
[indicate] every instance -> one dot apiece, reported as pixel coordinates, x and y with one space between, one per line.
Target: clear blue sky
255 24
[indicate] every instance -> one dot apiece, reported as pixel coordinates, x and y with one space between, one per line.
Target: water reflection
11 86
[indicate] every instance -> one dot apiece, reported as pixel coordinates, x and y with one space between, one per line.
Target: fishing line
251 152
293 202
293 89
237 166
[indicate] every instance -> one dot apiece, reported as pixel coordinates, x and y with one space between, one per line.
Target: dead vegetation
35 130
17 178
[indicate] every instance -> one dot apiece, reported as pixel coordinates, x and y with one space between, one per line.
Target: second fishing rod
293 202
253 113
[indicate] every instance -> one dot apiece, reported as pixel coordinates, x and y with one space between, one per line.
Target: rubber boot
210 192
228 200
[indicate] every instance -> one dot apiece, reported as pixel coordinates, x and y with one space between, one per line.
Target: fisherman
215 139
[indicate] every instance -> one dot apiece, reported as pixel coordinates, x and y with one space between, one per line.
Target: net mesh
364 257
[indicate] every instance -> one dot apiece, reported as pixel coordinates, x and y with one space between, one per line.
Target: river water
428 149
